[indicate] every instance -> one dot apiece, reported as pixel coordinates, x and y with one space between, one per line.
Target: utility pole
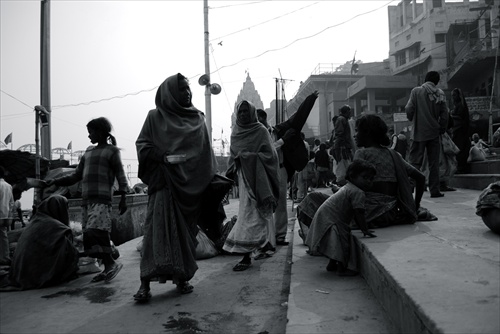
208 94
280 117
45 132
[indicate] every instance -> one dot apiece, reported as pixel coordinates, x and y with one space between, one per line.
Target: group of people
383 189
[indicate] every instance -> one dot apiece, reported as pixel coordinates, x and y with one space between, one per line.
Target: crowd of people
377 181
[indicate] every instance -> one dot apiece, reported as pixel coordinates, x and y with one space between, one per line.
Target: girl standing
97 170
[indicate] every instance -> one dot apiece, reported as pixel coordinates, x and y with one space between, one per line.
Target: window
420 30
408 37
437 3
440 38
400 58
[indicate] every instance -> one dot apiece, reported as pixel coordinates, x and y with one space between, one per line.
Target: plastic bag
449 147
206 248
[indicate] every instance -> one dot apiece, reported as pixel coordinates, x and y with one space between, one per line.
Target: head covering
173 129
55 206
253 153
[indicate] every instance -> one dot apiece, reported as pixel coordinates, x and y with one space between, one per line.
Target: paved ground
290 292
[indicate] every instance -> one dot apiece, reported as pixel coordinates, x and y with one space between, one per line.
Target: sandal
98 278
241 266
113 272
261 256
185 288
143 295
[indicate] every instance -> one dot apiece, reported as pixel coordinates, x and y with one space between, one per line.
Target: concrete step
485 167
474 181
440 276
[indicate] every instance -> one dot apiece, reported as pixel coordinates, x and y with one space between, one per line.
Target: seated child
330 232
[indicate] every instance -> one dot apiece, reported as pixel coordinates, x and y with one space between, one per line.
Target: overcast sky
108 57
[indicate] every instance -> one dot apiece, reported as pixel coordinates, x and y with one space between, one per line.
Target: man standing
427 109
342 144
6 204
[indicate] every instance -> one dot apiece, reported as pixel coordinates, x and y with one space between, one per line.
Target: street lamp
41 116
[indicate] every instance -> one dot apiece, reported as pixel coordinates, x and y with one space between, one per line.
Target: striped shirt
97 170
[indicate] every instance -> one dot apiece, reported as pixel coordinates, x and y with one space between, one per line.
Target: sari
255 161
175 190
45 254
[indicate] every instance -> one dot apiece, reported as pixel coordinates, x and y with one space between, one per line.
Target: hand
122 206
289 134
315 93
369 234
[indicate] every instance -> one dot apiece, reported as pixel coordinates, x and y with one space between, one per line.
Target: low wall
125 227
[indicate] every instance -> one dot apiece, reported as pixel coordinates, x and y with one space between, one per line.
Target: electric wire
263 22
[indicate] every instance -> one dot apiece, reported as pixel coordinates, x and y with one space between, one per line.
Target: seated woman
45 254
330 232
390 200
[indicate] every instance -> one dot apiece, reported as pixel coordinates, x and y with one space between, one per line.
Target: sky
109 57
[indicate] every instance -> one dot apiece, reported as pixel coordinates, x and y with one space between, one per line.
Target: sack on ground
206 248
88 265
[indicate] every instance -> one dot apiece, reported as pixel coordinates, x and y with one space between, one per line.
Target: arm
410 106
443 117
419 178
122 181
394 142
359 216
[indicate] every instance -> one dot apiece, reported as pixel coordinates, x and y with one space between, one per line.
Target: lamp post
41 114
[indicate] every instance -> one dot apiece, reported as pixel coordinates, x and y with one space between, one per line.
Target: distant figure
460 130
177 163
45 254
496 138
6 204
255 162
322 161
330 232
427 109
342 144
97 170
302 178
17 213
400 144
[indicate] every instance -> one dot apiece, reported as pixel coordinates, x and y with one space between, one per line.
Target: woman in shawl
460 130
177 163
45 254
255 161
390 200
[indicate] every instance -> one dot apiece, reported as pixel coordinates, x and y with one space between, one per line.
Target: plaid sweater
97 170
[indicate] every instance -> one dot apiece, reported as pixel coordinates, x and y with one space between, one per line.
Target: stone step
473 181
439 276
490 166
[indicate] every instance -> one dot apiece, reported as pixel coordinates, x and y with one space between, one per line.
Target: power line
264 22
304 38
241 4
27 105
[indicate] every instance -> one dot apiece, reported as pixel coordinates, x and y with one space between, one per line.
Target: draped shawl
174 129
45 254
252 152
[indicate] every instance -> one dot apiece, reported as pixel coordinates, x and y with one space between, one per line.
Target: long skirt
169 243
254 228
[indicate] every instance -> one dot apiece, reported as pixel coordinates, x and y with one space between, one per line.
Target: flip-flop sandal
142 295
241 266
113 272
261 256
185 288
98 278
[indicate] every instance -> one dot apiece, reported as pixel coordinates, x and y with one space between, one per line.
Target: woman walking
177 163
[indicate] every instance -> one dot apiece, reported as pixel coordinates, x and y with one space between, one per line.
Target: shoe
185 288
143 295
437 195
113 272
282 243
241 266
98 278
